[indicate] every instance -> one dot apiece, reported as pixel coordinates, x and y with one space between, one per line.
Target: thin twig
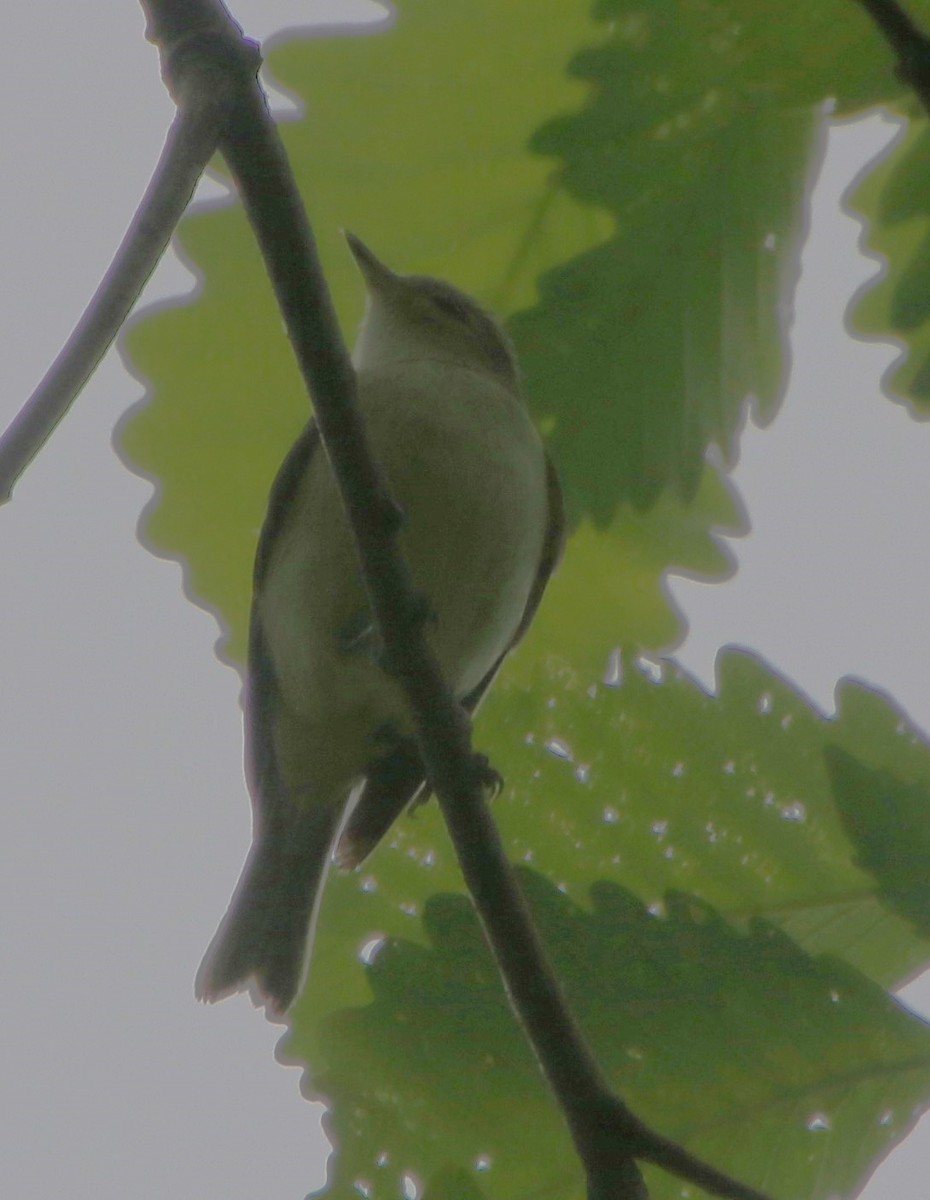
189 146
607 1135
909 43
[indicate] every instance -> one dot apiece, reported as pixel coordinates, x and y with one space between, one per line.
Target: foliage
719 878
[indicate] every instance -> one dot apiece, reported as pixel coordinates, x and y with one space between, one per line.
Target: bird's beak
377 276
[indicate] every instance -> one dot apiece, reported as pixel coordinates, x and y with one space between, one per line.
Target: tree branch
607 1135
188 148
909 43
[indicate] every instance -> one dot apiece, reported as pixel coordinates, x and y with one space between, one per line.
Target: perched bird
439 389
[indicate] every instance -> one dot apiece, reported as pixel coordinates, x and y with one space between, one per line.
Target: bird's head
414 317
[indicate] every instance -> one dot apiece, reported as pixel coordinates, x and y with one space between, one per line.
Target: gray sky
121 731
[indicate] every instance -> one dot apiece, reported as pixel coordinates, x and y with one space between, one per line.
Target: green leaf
654 786
888 820
690 872
793 1073
652 341
896 304
697 135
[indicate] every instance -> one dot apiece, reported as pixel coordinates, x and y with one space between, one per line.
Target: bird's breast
466 465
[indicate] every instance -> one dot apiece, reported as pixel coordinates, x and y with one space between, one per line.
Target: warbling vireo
439 390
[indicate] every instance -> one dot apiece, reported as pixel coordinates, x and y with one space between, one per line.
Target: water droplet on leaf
370 949
559 748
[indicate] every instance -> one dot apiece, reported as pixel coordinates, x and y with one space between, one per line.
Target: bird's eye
448 305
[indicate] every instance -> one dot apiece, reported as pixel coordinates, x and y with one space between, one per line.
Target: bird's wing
262 694
281 497
264 939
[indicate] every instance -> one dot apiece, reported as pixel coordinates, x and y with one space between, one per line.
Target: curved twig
190 144
910 44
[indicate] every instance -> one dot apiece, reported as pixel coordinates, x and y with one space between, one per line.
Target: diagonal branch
196 36
188 148
909 43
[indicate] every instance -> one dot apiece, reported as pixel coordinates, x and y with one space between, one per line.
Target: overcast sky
121 733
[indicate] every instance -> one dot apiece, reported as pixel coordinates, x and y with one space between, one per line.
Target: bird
439 391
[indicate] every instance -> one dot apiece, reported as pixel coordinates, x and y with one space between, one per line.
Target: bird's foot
486 776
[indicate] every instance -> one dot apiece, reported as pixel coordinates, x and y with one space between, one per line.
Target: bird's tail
265 935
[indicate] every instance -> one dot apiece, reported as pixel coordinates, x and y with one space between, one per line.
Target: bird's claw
358 636
490 779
